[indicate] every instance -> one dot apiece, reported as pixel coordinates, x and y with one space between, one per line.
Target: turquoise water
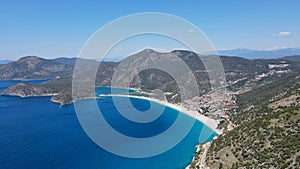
36 133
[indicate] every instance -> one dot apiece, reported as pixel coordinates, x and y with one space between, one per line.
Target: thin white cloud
283 34
191 30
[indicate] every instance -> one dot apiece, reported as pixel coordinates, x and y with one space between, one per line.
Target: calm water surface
36 133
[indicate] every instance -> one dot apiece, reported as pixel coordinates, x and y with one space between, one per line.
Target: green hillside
267 132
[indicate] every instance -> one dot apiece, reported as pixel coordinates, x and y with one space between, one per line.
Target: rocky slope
27 90
60 90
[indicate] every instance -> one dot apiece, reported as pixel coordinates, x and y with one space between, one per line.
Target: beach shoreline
209 122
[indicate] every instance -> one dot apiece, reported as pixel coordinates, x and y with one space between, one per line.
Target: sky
60 28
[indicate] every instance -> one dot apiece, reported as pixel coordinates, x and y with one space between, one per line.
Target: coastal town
214 105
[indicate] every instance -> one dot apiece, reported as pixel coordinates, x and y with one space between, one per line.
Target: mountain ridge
60 72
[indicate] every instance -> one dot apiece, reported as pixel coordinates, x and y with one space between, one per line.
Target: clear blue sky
60 28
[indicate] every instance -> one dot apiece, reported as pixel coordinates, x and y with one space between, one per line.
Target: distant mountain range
264 54
2 62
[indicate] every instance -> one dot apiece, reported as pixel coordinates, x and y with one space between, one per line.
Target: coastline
209 122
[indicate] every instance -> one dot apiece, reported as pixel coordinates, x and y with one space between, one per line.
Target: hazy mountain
265 54
2 62
293 58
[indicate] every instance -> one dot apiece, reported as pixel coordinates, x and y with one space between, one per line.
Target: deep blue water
36 133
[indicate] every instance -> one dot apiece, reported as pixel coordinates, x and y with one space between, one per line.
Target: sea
36 133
